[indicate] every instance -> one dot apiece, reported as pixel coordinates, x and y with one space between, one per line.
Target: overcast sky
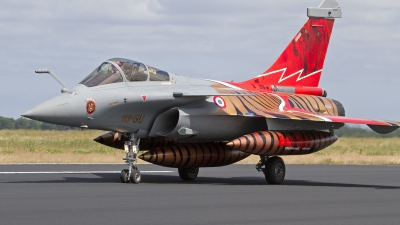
216 39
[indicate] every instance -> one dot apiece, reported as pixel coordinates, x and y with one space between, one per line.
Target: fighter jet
188 123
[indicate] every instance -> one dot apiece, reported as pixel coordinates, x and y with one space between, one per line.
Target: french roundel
220 102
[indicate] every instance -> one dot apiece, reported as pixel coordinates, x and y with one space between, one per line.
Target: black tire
275 170
124 176
188 173
136 177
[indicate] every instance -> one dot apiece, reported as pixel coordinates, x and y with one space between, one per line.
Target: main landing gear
273 168
188 173
131 174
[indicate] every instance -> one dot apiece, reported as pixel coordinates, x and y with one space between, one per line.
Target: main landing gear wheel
274 170
188 173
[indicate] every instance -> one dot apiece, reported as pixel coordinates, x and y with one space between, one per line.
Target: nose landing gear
131 174
273 168
134 177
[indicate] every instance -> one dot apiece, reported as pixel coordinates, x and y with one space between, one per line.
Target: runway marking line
77 172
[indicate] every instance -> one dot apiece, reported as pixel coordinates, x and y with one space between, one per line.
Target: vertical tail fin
301 63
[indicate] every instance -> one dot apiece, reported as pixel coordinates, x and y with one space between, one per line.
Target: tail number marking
135 119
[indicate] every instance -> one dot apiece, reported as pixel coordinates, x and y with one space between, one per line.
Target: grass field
31 146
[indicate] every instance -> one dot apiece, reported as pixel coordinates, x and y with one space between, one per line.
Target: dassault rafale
188 123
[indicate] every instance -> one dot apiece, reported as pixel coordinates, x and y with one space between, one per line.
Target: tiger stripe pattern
259 104
193 155
154 142
268 143
316 104
265 105
111 139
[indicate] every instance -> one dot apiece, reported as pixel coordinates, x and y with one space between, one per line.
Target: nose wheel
124 176
132 174
135 176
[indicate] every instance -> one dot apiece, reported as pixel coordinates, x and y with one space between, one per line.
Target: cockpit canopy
123 70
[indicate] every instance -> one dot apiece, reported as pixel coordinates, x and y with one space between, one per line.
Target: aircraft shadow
168 179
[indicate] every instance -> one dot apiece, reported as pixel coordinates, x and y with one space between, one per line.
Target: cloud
219 39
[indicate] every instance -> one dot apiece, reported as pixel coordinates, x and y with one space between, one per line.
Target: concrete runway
237 194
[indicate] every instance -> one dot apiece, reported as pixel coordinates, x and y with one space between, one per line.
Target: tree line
27 124
365 132
22 123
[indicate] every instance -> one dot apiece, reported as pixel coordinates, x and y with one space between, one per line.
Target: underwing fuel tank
267 143
193 155
111 139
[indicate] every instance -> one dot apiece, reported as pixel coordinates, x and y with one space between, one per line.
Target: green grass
364 146
81 142
53 142
79 147
54 151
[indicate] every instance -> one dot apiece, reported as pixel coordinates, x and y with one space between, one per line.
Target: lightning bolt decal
285 76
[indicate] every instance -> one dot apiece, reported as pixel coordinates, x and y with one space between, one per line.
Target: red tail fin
301 63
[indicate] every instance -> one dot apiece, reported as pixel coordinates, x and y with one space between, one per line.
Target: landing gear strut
132 173
273 168
188 173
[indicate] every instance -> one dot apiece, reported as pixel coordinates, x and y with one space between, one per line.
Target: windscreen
134 71
106 73
158 75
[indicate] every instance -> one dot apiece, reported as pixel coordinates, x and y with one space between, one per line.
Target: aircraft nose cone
55 110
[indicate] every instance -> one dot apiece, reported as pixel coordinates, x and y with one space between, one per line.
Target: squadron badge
90 106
